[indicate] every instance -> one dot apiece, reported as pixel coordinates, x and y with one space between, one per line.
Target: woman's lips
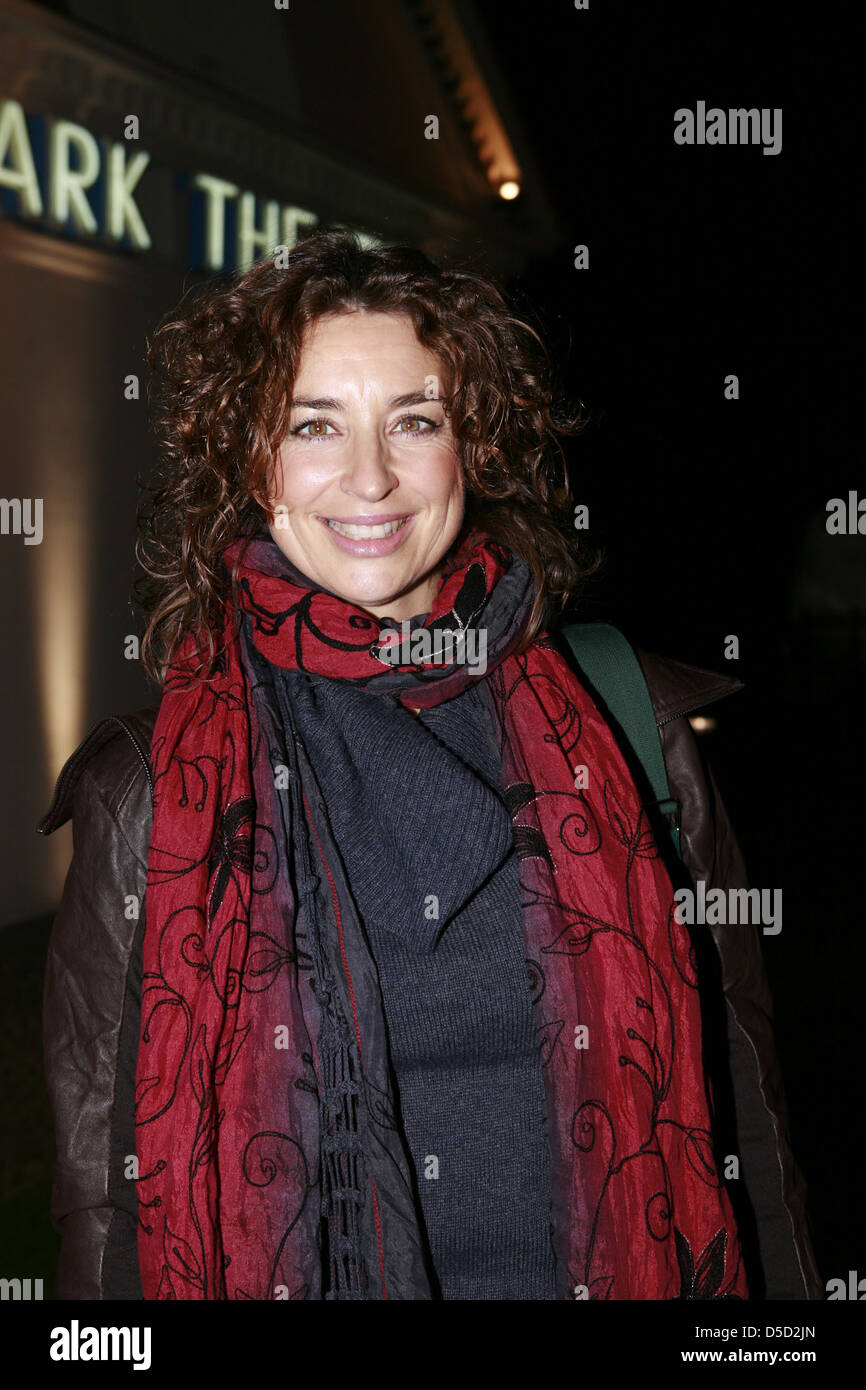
370 546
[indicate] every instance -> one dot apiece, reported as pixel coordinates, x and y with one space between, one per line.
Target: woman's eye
310 424
318 428
416 420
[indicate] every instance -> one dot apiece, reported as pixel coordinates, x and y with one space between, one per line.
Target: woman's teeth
358 533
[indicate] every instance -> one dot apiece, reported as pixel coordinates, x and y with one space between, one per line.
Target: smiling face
368 444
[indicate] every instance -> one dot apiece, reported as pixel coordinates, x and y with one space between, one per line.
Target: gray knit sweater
417 811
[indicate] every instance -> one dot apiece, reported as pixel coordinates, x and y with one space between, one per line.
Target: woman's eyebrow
332 403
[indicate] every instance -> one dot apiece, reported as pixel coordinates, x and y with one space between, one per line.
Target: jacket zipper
71 761
700 704
776 1136
138 748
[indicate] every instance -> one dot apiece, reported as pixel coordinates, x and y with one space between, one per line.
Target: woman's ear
273 484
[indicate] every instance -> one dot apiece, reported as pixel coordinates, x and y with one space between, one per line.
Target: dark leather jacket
92 1006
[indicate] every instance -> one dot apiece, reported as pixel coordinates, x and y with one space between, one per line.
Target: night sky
703 261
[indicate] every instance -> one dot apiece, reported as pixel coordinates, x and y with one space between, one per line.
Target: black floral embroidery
704 1279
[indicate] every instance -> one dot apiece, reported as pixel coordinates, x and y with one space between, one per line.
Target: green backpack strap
612 667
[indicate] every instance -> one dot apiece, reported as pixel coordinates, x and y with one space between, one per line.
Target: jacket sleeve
749 1096
88 1005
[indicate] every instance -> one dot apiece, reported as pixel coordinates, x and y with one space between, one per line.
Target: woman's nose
369 472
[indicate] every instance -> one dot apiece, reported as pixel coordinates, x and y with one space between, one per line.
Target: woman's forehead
351 344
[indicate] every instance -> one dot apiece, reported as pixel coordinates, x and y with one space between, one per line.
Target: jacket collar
677 689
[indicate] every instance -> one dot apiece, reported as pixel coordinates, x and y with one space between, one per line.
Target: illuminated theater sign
56 174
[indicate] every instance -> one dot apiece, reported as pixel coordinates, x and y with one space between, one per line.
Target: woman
407 1012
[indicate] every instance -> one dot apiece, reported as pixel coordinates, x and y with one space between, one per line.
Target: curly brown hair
224 363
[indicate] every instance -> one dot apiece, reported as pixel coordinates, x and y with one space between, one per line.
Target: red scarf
245 1173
